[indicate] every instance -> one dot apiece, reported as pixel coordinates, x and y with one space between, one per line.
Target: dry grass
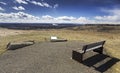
112 45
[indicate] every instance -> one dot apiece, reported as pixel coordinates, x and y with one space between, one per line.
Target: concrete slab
46 57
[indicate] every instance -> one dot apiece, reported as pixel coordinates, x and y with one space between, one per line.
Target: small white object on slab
56 39
53 38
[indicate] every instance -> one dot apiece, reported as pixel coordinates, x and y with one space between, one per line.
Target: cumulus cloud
3 3
1 9
108 18
42 4
67 18
83 20
17 17
37 3
21 1
113 17
46 5
48 17
21 17
55 6
18 8
27 18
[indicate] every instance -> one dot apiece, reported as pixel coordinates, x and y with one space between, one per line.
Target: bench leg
99 50
77 56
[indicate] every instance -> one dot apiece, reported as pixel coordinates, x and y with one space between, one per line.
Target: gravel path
44 57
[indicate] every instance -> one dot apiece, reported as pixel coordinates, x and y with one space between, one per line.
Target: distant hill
27 26
97 27
71 26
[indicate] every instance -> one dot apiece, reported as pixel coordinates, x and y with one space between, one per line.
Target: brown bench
96 47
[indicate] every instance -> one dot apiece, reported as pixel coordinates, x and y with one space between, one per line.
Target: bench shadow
100 62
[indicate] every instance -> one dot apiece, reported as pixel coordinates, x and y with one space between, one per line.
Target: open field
112 38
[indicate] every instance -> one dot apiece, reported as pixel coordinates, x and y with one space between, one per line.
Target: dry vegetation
77 33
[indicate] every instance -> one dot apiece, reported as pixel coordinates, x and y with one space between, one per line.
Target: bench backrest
93 46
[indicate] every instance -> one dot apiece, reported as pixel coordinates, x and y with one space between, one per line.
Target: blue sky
60 11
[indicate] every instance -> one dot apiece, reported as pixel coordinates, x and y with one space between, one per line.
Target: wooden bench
96 47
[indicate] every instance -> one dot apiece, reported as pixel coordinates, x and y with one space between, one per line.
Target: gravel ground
46 57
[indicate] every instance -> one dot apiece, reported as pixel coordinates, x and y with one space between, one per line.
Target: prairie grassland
112 38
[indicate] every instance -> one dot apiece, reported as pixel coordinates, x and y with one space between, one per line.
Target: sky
60 11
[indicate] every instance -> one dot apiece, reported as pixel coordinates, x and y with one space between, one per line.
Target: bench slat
94 48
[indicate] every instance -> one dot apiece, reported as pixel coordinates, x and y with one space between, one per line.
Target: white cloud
55 6
22 17
21 1
108 18
111 11
28 0
1 9
46 5
3 3
83 20
48 17
42 4
17 17
113 17
67 18
98 17
18 8
37 3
